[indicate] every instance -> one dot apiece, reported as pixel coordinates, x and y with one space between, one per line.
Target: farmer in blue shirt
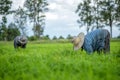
97 40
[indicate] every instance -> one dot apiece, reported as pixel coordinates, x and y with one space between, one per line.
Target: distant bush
45 37
32 38
69 37
115 39
54 38
61 37
118 36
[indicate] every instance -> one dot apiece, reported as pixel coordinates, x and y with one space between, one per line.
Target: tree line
47 37
94 14
33 12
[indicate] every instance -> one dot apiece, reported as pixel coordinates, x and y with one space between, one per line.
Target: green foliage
12 32
38 30
61 37
20 18
108 13
54 38
8 33
69 37
5 6
84 11
118 36
98 13
57 62
3 28
32 38
35 11
45 37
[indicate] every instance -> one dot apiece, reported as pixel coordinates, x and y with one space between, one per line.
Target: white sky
61 18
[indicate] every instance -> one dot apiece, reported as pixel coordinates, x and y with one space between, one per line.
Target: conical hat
78 41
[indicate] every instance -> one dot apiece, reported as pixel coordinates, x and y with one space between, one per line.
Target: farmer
20 41
97 40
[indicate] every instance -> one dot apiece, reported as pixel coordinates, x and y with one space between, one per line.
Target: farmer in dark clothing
97 40
20 41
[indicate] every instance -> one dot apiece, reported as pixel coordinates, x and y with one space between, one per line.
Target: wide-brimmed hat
78 41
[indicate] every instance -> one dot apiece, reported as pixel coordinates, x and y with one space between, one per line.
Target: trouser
107 43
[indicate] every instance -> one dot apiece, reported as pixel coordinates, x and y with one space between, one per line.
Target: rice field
57 61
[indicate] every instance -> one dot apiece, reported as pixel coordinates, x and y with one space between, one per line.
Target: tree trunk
111 31
87 28
111 28
34 27
97 14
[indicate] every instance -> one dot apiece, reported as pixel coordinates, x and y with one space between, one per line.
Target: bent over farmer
20 41
97 40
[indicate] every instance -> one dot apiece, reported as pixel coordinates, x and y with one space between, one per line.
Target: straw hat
78 41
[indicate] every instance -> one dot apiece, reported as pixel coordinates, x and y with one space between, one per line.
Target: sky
61 18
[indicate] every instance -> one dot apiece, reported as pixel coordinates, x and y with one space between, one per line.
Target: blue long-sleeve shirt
95 40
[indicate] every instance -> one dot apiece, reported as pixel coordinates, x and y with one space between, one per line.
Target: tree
97 18
38 29
3 29
46 37
12 31
100 14
54 37
35 11
8 33
20 18
108 12
61 37
118 13
5 6
69 36
84 11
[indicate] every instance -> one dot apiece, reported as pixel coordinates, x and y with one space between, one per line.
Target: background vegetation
91 15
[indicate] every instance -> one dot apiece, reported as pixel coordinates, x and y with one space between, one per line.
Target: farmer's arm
89 49
87 44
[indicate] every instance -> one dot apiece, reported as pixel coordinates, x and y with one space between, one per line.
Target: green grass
57 61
